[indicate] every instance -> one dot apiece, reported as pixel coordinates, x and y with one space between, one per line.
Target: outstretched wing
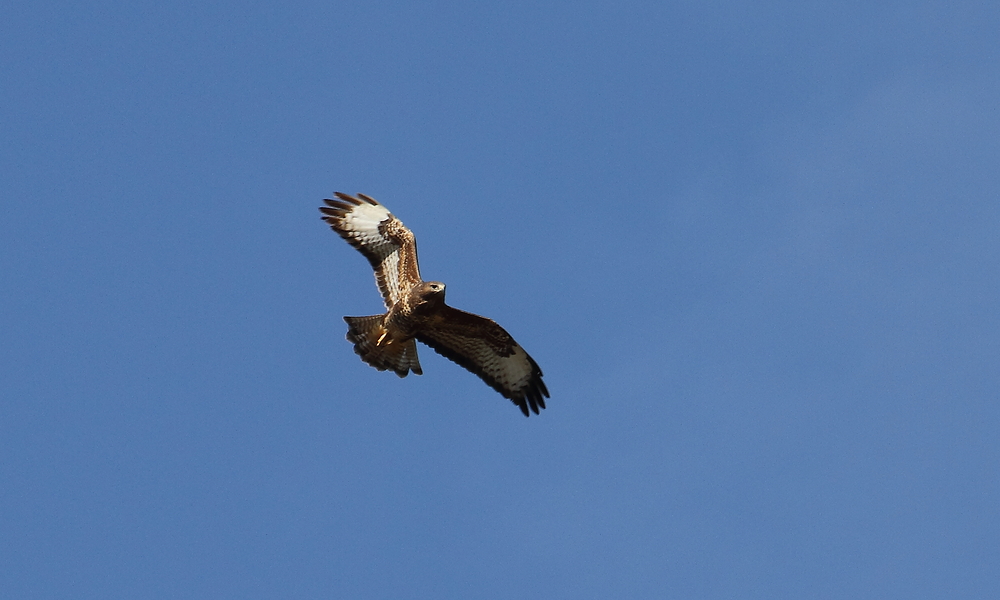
483 347
387 244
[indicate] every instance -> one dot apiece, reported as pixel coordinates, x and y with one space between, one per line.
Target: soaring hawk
416 311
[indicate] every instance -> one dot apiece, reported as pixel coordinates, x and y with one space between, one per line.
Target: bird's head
428 294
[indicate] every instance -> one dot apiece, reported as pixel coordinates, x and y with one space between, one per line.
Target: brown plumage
417 311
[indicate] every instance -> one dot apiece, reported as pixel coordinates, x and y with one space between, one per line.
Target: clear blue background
753 245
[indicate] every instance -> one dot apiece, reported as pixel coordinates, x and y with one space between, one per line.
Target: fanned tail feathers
366 333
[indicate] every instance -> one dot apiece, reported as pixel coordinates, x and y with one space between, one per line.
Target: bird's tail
375 347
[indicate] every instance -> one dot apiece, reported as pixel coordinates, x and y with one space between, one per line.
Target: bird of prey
416 310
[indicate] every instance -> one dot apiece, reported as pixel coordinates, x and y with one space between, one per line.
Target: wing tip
344 204
534 392
355 200
533 396
524 408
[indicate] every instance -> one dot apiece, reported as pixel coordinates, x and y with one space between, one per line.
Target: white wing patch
361 223
361 226
364 224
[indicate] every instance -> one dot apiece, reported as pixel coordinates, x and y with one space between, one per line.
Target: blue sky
753 246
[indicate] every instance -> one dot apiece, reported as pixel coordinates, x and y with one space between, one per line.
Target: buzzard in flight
416 311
